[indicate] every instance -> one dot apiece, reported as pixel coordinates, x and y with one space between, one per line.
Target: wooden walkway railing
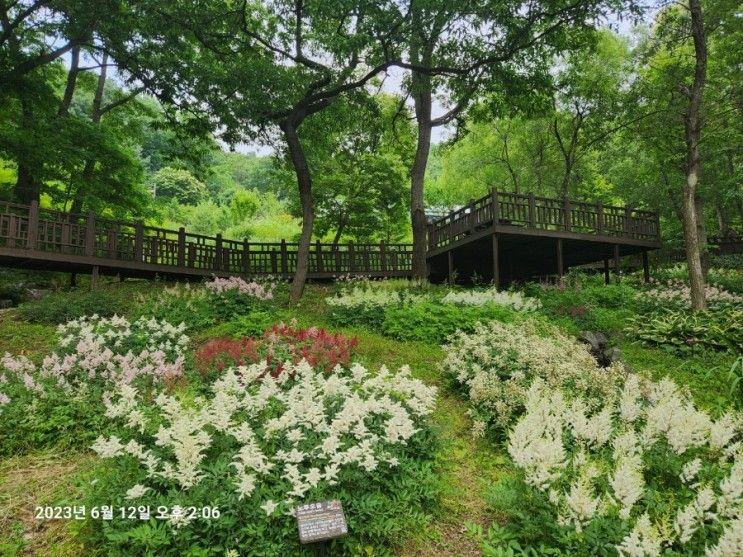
542 213
93 240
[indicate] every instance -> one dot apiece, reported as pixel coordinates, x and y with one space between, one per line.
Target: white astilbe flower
693 516
136 491
643 541
595 430
629 400
730 543
676 418
690 470
108 448
723 430
535 443
269 507
628 484
514 300
730 501
580 501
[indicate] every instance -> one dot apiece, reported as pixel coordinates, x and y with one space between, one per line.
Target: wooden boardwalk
502 237
33 237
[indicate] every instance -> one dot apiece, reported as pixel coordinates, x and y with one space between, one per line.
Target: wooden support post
284 258
600 218
560 262
94 277
532 211
33 225
567 210
382 257
318 257
616 263
121 276
73 280
337 256
606 270
450 266
351 257
645 267
495 206
90 235
274 263
218 253
154 246
246 257
628 220
181 247
191 254
496 262
138 241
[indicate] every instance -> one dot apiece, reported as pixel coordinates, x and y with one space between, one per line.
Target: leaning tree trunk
27 187
423 100
304 181
692 129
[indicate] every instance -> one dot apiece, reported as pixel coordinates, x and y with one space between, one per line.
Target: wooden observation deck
506 237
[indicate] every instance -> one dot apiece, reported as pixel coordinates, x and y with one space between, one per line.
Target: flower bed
62 394
644 474
277 345
676 294
258 445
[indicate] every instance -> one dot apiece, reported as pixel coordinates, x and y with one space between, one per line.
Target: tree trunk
701 233
422 96
69 91
692 128
304 181
96 114
27 186
339 231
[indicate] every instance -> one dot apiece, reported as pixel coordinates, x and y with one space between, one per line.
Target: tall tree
692 134
258 70
456 49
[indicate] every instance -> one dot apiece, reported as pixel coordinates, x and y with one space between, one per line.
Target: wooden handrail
544 213
100 241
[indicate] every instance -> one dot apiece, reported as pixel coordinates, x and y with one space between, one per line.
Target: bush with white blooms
497 362
514 300
648 467
256 446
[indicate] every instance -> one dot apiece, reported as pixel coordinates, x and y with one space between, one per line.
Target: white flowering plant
496 363
256 446
366 306
514 300
645 474
59 399
214 302
676 294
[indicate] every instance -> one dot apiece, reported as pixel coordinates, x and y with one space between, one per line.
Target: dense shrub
434 323
60 307
279 344
243 326
686 331
496 363
256 447
646 474
587 304
366 306
217 301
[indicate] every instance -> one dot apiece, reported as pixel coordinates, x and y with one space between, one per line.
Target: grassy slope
468 467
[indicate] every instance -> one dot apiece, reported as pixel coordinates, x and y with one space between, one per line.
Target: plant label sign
318 522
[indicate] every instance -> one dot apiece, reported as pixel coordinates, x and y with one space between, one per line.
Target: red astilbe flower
221 353
322 350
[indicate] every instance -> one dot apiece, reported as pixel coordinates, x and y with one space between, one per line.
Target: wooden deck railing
542 213
103 241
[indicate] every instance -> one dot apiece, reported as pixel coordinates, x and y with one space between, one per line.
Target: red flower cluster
280 343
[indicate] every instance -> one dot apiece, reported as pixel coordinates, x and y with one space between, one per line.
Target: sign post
320 522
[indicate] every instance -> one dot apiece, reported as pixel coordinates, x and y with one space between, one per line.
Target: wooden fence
542 213
98 241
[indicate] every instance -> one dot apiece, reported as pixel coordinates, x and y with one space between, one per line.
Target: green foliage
178 184
246 326
60 307
686 331
735 377
434 323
